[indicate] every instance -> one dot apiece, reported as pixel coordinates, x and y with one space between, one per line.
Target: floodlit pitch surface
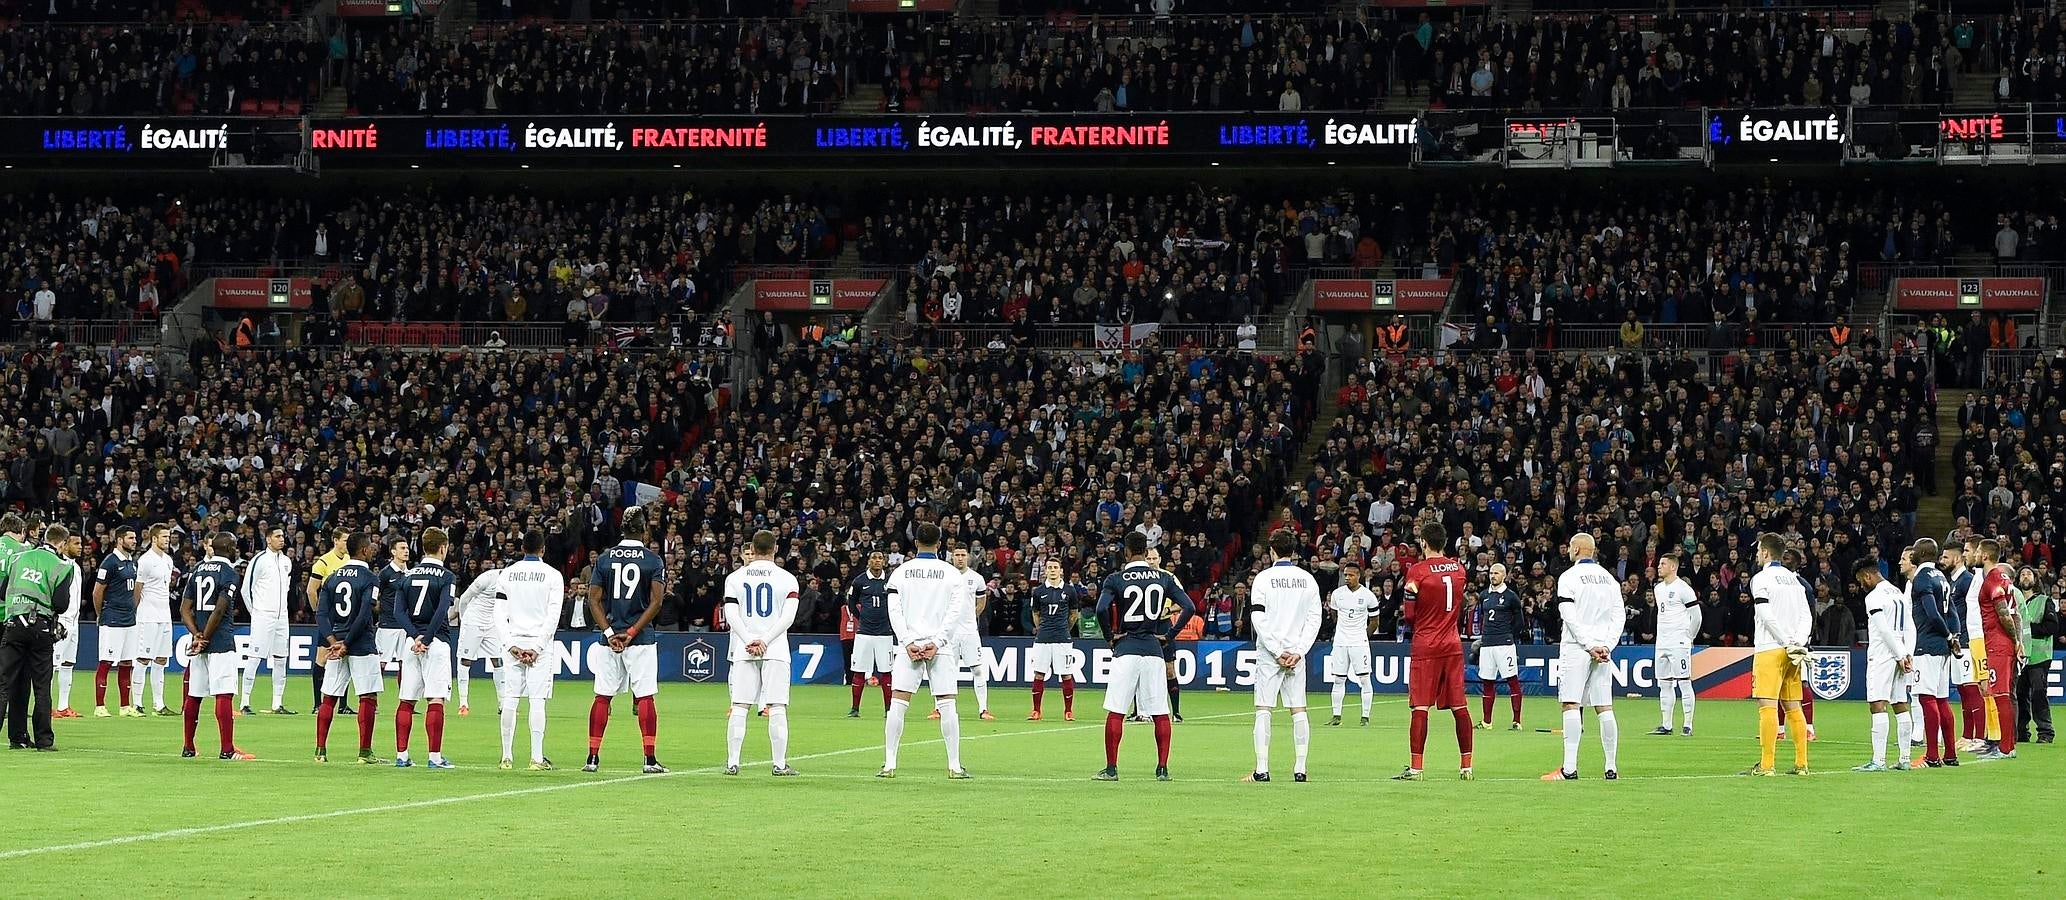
119 813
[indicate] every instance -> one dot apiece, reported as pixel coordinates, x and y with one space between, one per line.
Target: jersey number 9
1143 603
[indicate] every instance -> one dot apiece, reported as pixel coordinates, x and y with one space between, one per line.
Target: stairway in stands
865 100
1316 437
1933 518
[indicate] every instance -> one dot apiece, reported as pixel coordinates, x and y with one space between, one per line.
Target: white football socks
509 717
157 685
1903 733
982 686
537 729
950 731
893 731
735 735
1879 738
1301 739
248 679
1667 697
1363 685
778 734
465 675
1686 693
1262 741
136 682
1574 730
1610 737
1340 692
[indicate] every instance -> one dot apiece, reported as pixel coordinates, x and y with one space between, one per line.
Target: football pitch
118 813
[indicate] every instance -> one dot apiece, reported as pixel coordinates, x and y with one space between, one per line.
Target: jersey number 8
1143 603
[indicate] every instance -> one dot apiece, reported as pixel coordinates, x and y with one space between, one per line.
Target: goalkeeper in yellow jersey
1784 624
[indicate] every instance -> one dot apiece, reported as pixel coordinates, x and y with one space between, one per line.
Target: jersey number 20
1143 603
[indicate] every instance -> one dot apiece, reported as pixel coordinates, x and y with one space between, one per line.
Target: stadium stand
1651 451
210 68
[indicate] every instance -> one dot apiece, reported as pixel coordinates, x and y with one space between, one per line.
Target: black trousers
25 667
2031 703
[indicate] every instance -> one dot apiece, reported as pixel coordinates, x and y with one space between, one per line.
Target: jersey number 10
759 600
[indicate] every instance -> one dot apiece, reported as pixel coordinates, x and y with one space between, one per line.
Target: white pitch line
492 795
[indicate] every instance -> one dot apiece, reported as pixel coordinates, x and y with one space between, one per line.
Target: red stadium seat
355 332
416 334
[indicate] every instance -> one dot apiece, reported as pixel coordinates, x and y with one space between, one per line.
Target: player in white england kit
1678 622
1284 603
1889 662
1589 601
153 619
65 653
760 606
267 580
927 596
475 613
968 641
1353 605
527 612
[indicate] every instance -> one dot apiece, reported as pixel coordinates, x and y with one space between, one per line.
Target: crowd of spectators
217 68
715 56
1651 453
2010 459
1529 261
623 259
1762 59
2026 54
744 66
1021 457
1200 255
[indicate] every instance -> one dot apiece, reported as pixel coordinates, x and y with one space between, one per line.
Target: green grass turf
1031 824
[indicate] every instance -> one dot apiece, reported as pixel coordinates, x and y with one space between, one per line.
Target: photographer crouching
35 589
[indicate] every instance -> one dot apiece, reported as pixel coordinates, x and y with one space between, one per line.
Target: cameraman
34 590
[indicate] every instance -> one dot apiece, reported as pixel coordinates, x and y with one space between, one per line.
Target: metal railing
132 332
1731 336
1271 337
